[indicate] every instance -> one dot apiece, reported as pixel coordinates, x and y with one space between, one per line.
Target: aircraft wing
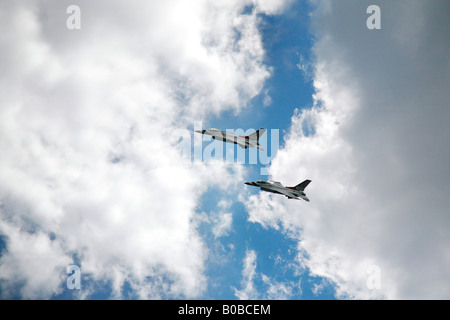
288 193
292 194
242 142
304 198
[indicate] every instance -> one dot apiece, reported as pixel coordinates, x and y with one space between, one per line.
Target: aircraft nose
248 183
200 131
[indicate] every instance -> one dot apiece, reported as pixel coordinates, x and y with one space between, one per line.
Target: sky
101 171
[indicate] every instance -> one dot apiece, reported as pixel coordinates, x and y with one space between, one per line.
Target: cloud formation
248 290
87 173
257 285
374 145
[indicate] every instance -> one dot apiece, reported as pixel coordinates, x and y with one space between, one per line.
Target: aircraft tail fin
257 134
303 185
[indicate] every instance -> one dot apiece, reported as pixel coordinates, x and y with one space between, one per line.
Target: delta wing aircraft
245 142
276 187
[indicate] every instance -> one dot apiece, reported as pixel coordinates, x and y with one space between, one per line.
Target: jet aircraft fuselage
250 141
276 187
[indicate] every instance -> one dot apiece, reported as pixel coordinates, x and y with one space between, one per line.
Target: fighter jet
276 187
245 142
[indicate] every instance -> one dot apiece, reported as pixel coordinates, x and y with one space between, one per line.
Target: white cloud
374 146
256 285
271 6
280 290
248 290
33 258
85 117
222 224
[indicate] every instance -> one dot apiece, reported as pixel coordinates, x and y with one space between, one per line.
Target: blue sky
95 111
286 38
